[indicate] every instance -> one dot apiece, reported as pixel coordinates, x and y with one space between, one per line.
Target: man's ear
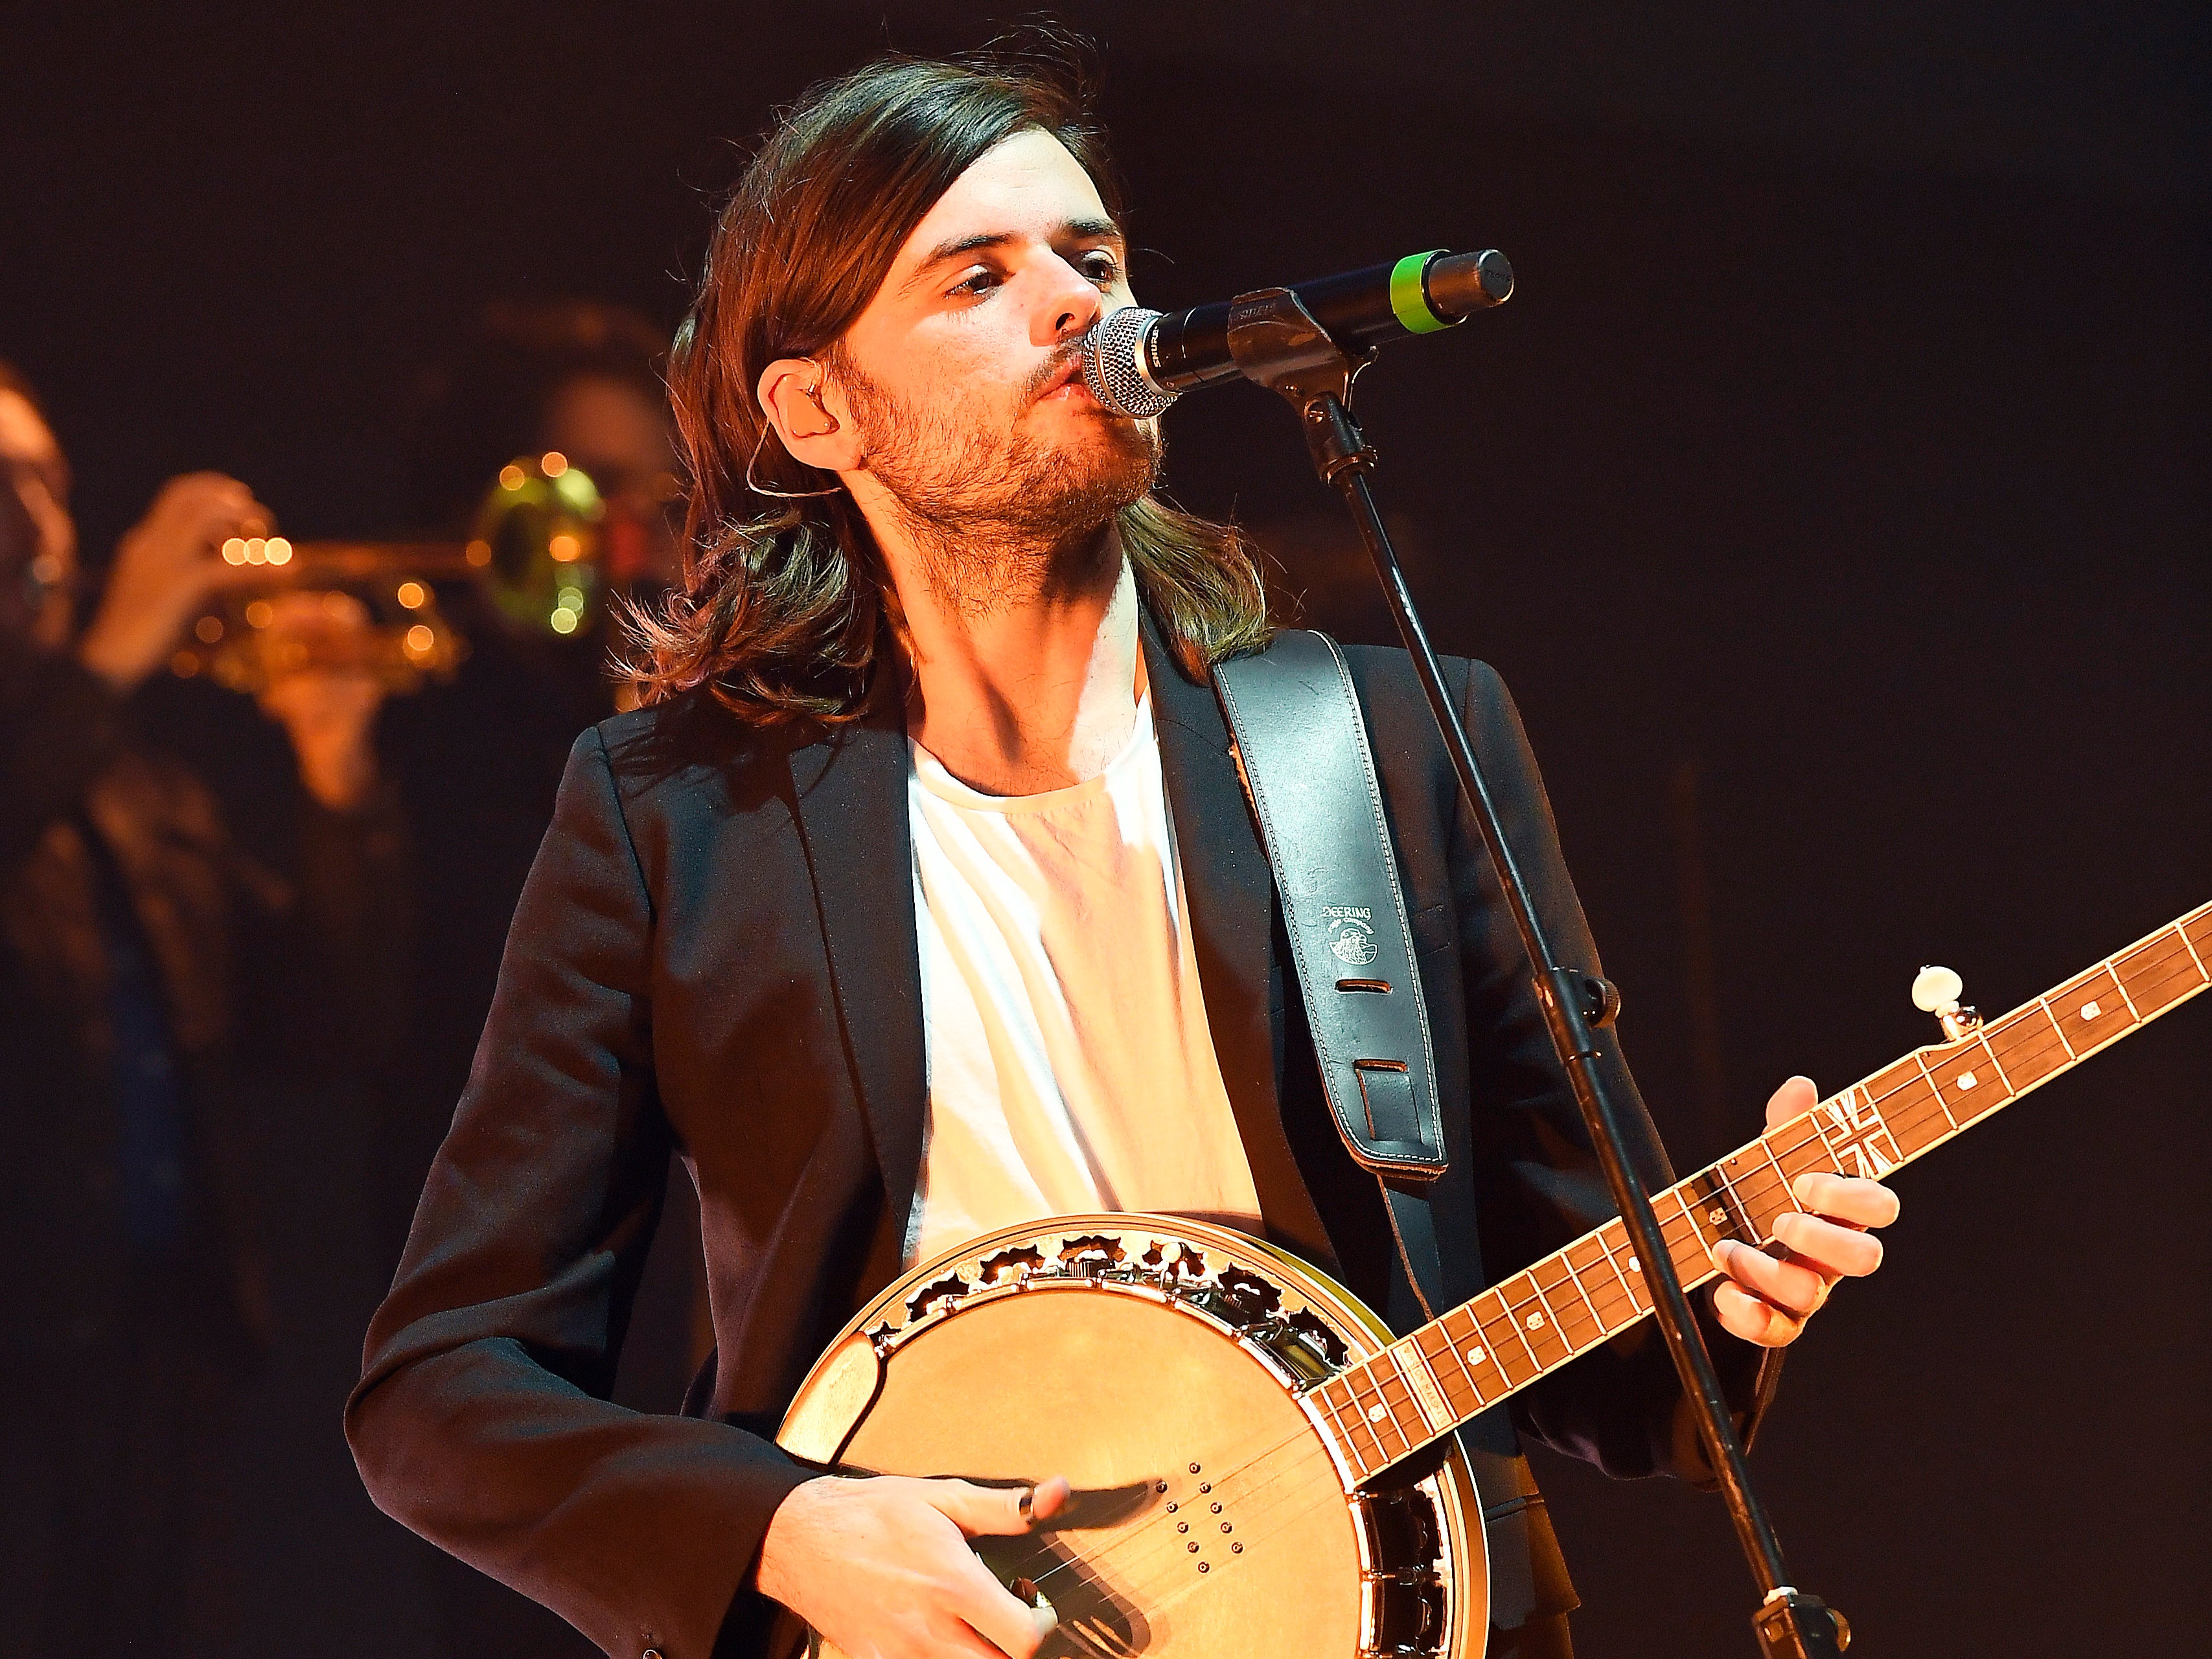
811 416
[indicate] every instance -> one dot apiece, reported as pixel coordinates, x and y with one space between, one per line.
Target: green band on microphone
1409 296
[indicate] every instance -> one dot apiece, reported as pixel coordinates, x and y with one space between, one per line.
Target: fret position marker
1863 1146
1535 1321
1377 1412
1967 1079
2090 1011
1475 1356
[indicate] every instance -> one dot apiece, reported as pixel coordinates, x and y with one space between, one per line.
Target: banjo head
1157 1363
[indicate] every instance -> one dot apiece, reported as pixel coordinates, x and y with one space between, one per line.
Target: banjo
1232 1421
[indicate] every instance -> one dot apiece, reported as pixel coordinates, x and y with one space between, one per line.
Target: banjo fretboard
1516 1331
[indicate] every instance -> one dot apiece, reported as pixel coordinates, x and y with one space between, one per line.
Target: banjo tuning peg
1937 991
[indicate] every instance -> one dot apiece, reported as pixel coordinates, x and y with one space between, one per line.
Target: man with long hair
922 900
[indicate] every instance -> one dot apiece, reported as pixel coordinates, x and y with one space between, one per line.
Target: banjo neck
1423 1386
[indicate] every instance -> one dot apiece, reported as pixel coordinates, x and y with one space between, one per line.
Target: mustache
1052 368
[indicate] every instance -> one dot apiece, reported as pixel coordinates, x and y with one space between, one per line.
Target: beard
998 516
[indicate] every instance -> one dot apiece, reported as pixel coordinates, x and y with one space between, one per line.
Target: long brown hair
782 607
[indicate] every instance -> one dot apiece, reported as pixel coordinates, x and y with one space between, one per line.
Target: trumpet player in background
245 949
135 1298
391 823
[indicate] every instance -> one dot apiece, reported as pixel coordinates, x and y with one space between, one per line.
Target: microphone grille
1113 365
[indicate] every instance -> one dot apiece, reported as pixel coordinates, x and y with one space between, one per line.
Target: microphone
1136 362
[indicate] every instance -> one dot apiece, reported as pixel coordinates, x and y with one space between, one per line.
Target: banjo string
1250 1464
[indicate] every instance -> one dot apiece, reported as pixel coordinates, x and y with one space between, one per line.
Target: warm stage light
420 639
510 476
208 630
233 550
412 595
553 463
278 550
564 549
479 553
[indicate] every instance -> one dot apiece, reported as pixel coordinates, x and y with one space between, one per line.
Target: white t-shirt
1070 1067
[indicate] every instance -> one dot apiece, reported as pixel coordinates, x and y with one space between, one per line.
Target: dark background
1833 494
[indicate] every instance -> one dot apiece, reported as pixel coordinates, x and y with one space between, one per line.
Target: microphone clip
1277 343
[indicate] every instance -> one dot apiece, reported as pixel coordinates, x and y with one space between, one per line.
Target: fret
1502 1340
1716 1205
1538 1324
1968 1084
1809 1156
1348 1427
1501 1334
1678 1220
1599 1280
1789 1193
1894 1080
1351 1416
1915 1112
2190 946
1698 1256
1761 1193
1747 1226
2092 1011
1640 1303
1461 1396
1367 1418
1995 1064
2113 973
1951 1123
1579 1326
1471 1354
2155 975
1437 1414
1398 1415
1833 1165
2031 1047
2057 1030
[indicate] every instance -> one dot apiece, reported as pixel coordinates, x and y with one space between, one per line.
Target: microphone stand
1277 343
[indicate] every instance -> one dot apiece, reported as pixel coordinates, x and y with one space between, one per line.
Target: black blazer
715 957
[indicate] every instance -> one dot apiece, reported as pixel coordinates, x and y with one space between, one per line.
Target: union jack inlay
1866 1141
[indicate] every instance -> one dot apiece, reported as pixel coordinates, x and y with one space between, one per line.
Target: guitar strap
1302 750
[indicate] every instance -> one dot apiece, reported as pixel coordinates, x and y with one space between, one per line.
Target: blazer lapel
850 789
1231 891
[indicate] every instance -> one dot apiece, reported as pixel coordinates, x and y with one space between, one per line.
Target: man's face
963 374
620 438
38 539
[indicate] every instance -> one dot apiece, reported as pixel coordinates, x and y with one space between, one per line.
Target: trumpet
535 549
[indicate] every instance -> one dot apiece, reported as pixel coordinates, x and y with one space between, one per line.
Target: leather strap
1302 750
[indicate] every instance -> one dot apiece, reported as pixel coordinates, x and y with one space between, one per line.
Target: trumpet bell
537 543
535 550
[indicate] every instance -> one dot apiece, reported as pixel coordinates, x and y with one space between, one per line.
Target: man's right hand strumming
883 1569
